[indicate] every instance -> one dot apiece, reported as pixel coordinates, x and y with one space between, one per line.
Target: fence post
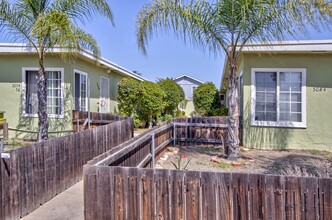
1 145
152 149
174 135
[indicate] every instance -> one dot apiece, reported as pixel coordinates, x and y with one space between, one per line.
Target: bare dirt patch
291 162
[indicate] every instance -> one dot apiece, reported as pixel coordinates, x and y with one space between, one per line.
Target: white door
104 95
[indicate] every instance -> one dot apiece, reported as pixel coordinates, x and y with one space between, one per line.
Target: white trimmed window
80 90
55 85
182 105
278 97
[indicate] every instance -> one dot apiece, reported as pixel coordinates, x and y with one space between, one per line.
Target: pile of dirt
287 162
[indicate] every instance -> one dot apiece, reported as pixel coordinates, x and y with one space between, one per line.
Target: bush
152 101
206 99
138 123
174 94
180 114
218 112
129 94
166 117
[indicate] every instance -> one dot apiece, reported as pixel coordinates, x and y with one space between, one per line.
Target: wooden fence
200 131
96 119
36 173
134 192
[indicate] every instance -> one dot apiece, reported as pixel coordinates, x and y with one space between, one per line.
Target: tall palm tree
226 26
45 24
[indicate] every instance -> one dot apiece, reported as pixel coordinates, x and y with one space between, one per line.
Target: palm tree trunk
42 100
232 144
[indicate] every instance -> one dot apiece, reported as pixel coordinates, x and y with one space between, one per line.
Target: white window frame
303 123
184 105
74 81
192 90
24 86
108 100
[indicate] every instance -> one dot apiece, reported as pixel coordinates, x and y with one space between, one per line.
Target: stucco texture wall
317 134
11 92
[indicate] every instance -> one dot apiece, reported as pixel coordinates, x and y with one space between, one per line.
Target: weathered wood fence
96 119
117 187
36 173
131 193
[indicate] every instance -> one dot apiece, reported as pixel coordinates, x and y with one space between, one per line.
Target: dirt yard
287 162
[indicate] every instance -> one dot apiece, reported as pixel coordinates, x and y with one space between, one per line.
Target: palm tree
226 26
46 24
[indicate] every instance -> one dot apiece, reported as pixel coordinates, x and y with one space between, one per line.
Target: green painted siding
317 135
11 95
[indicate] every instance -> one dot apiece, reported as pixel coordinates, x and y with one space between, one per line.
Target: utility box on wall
2 117
3 125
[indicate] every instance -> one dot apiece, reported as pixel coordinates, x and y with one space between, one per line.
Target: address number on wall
319 89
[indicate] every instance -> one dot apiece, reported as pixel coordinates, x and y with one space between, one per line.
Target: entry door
104 95
81 90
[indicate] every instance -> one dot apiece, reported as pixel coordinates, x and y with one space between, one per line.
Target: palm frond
226 24
57 30
193 21
84 9
15 25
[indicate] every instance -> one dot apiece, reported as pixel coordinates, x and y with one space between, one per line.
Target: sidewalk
65 206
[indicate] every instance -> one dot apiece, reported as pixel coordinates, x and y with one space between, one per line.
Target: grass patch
224 165
319 153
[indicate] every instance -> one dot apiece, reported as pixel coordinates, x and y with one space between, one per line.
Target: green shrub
174 94
166 117
152 102
129 94
206 99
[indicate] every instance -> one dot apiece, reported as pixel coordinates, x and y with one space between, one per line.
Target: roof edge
25 48
185 75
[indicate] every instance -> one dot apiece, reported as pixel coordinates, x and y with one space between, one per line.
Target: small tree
46 24
152 101
227 26
206 98
129 94
174 94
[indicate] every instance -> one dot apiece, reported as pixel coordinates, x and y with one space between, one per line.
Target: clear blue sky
167 55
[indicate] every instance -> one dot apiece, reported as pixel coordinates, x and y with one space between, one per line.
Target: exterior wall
189 107
317 134
11 94
187 85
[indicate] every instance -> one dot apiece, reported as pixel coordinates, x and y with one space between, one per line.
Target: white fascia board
290 46
24 48
190 77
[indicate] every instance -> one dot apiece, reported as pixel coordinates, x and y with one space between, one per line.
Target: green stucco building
285 95
68 88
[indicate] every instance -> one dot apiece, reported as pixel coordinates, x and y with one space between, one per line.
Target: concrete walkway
67 205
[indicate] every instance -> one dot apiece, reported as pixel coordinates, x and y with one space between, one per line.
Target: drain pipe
89 103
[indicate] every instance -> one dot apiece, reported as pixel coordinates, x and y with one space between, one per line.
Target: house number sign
319 89
17 87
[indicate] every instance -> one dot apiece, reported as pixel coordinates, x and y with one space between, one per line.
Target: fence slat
193 197
161 179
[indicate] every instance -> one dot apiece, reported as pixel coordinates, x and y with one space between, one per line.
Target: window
182 105
54 92
81 88
279 97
